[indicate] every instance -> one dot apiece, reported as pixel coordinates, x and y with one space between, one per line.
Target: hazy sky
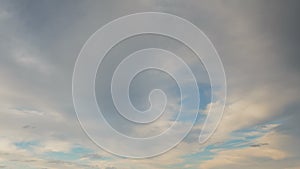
258 42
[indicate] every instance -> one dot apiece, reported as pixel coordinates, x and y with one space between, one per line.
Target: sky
257 41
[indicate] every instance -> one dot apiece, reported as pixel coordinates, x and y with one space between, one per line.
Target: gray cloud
258 42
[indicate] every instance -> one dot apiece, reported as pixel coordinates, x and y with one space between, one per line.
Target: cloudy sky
258 42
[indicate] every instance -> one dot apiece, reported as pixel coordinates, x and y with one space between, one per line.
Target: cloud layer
258 42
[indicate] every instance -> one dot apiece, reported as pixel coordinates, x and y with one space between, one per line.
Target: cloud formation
258 42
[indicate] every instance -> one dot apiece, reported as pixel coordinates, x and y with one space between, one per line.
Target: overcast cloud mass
258 42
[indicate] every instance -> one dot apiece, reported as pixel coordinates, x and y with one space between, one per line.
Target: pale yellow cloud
243 157
273 150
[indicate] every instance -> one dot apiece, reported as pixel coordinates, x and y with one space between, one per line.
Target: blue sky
258 43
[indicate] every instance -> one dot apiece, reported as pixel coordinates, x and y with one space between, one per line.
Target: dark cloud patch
110 168
259 145
70 163
92 156
28 127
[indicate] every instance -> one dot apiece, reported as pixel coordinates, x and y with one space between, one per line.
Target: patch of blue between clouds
28 145
75 154
205 99
239 140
